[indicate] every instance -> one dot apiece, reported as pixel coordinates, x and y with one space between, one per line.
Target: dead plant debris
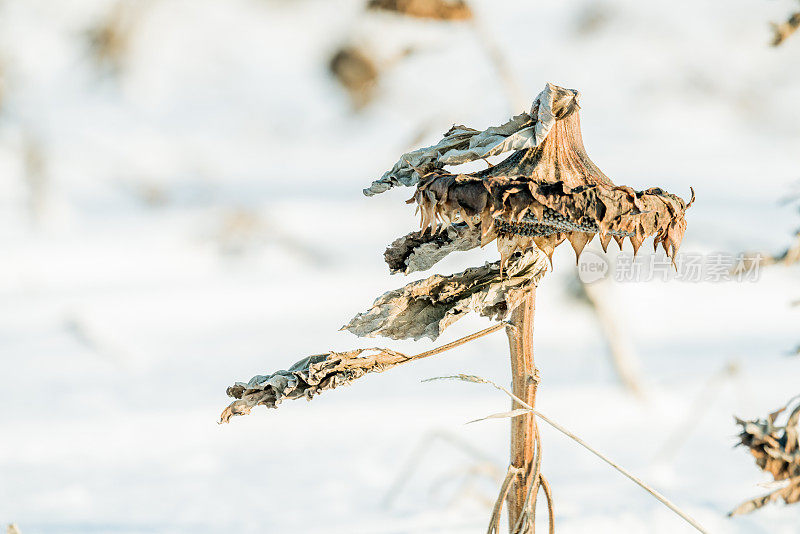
428 9
777 451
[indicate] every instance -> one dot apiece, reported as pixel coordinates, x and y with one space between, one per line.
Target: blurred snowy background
181 208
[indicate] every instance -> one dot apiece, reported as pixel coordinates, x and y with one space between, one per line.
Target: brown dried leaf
309 377
431 9
427 307
419 251
317 373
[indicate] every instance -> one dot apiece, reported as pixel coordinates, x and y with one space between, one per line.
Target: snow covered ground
197 219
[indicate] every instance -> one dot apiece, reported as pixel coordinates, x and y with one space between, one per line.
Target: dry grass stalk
530 410
428 9
782 31
776 449
484 464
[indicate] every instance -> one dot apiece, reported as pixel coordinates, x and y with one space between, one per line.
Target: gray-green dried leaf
309 377
427 307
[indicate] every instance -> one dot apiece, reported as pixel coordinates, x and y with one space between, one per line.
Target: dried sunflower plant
776 448
545 192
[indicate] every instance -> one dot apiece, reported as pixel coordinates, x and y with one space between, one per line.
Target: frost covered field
195 217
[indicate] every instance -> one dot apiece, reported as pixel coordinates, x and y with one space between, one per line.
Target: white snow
123 319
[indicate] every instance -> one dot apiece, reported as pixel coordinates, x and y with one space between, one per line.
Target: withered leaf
776 449
308 377
427 307
419 251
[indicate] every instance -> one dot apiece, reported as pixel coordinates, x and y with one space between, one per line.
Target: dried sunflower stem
530 410
525 378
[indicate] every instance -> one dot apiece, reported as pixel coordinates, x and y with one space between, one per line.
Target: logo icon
592 267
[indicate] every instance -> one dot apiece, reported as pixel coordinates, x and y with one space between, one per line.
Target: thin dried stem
459 342
549 495
529 517
416 458
530 410
494 522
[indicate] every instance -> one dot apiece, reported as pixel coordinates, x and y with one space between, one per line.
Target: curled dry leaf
427 307
429 9
545 192
419 251
782 31
308 377
317 373
777 451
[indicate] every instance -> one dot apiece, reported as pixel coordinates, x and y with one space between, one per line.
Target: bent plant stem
525 379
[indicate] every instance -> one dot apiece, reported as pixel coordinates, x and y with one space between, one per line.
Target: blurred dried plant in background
357 72
110 38
2 84
34 163
13 529
782 31
777 451
430 9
